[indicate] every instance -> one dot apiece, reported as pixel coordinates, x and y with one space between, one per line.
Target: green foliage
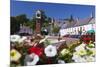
66 57
16 21
47 42
89 52
15 25
90 45
22 18
56 29
30 24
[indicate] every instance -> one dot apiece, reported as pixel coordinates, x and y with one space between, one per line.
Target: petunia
81 51
90 59
77 58
61 62
80 60
64 52
14 38
83 44
22 39
36 50
50 51
80 47
84 53
14 55
31 59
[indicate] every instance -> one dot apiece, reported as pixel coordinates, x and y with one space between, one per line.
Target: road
69 41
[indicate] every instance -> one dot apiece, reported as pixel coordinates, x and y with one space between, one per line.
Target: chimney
52 20
21 26
77 21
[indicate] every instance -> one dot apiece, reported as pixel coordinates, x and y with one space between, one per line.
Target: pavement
54 40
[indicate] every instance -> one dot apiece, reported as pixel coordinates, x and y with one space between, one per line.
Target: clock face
38 15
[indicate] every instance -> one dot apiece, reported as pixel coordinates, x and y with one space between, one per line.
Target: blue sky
54 10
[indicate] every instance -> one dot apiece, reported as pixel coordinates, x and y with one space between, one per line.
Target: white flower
22 39
14 38
50 51
61 62
90 59
82 52
77 58
83 44
80 60
15 55
32 59
64 52
79 48
92 50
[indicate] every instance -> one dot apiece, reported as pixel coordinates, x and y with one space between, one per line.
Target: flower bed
27 51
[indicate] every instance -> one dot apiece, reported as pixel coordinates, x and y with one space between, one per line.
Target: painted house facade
78 26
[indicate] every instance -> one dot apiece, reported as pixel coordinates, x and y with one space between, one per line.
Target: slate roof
25 29
92 21
75 23
83 22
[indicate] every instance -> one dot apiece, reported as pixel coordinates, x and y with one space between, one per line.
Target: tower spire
91 15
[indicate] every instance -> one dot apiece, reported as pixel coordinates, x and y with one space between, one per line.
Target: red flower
36 50
87 40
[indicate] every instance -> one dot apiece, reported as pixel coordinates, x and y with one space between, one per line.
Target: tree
15 26
56 29
30 24
71 18
16 21
22 19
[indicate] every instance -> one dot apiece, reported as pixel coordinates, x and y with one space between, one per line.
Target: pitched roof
68 24
25 29
92 21
83 22
75 23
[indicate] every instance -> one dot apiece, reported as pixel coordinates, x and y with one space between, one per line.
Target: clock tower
39 19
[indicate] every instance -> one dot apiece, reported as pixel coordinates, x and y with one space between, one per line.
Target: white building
77 25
